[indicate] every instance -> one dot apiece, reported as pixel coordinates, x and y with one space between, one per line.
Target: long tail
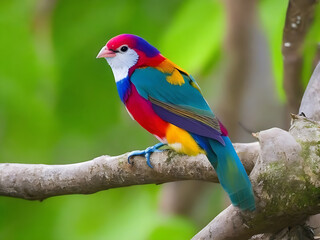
231 174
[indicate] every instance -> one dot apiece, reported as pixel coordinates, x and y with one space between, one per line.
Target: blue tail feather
231 174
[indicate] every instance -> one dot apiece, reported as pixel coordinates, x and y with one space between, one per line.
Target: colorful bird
166 101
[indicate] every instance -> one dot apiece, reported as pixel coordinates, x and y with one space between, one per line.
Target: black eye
124 49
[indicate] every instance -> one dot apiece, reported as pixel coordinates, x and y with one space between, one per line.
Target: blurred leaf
195 36
174 228
311 46
29 129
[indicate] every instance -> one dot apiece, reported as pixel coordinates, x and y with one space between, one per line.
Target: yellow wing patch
181 141
175 78
174 70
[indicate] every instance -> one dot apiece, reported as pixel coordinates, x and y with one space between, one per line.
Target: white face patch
122 62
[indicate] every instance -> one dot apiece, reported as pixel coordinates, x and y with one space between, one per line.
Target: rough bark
311 100
39 181
299 232
286 182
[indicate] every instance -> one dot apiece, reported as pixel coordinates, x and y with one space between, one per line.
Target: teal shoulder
150 82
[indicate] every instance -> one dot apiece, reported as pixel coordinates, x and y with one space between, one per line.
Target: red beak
106 53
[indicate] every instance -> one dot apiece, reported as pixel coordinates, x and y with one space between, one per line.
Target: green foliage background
58 104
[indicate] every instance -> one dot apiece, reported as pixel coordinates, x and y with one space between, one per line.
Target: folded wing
180 104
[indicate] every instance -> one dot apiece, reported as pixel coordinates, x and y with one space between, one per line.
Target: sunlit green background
58 104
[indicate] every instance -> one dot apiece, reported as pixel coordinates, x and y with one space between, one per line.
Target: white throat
119 73
121 63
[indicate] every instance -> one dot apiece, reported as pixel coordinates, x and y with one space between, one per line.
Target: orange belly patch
181 141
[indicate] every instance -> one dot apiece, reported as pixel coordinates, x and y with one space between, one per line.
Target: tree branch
39 181
310 103
299 17
286 182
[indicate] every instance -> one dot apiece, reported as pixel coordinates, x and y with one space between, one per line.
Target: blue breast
124 89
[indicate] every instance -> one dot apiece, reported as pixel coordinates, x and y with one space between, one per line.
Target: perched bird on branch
166 101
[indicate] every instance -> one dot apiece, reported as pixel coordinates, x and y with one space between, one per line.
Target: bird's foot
146 153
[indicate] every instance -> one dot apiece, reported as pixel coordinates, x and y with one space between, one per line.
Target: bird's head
126 51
